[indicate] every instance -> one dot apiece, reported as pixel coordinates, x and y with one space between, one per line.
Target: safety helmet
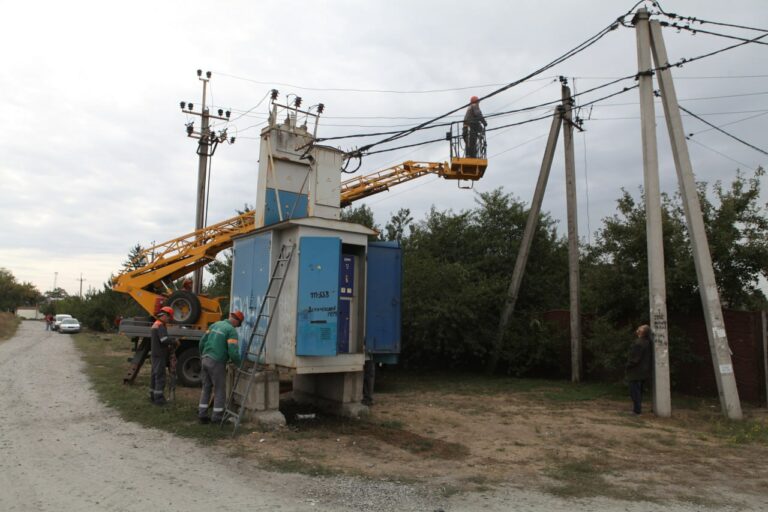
474 99
239 315
168 310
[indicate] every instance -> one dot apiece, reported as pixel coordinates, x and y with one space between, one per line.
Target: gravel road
62 450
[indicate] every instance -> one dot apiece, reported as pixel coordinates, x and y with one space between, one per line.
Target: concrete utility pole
81 284
207 143
525 243
573 236
657 292
713 311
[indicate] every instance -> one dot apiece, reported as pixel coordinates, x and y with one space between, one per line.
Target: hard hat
168 310
239 315
474 99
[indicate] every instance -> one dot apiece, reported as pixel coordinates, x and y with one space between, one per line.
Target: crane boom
147 276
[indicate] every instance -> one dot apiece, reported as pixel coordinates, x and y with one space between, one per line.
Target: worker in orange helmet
217 346
474 128
161 343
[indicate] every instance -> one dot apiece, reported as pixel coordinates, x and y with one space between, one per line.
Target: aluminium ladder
250 366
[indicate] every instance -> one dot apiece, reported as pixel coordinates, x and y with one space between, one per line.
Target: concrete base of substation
334 393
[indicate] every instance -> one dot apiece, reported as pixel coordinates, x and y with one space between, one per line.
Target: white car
69 325
57 320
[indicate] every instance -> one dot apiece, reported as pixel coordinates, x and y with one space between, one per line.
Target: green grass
105 358
8 325
399 381
741 432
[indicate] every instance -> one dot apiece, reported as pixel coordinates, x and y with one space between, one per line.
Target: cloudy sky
95 159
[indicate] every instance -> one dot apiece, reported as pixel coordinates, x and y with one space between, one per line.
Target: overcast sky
94 156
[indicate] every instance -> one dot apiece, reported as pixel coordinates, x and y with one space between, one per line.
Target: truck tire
188 368
186 307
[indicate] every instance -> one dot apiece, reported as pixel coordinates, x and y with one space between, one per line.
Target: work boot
160 401
204 420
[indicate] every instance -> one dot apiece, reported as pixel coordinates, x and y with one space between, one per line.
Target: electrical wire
721 154
723 131
695 31
380 91
567 55
764 112
672 15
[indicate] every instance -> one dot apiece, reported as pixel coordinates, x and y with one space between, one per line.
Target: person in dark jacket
474 126
639 366
159 349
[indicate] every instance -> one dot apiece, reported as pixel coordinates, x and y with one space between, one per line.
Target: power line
361 90
724 132
574 51
672 15
722 154
695 31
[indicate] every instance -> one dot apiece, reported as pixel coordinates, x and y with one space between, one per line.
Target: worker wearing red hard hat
474 128
217 346
161 343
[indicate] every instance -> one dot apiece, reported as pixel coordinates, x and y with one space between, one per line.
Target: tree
360 215
457 269
14 294
136 258
615 270
395 228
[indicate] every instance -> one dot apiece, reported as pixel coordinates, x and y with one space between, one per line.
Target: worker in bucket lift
160 349
217 346
474 126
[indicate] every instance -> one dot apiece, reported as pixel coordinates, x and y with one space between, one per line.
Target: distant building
29 313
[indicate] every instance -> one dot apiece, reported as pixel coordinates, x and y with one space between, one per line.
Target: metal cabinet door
318 297
383 296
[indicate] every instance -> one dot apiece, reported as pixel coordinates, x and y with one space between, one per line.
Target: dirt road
62 450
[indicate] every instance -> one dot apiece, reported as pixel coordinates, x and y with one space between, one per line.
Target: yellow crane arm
364 186
170 260
175 258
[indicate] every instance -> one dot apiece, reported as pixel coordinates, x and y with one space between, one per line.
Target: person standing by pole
160 350
639 366
217 346
474 127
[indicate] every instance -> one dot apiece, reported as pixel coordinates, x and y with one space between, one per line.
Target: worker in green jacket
217 346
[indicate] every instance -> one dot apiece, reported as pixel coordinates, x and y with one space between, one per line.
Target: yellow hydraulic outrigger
149 284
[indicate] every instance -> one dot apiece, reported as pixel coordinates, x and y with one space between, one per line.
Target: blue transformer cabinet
384 293
340 298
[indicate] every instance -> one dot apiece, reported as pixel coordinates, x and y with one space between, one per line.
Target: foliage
221 280
14 294
456 273
615 270
606 349
136 258
361 215
99 309
8 325
395 228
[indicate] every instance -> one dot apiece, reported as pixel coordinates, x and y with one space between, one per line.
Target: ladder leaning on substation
250 366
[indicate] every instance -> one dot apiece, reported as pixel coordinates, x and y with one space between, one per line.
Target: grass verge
105 358
8 325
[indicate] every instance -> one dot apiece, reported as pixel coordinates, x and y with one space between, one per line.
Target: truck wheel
186 307
188 368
